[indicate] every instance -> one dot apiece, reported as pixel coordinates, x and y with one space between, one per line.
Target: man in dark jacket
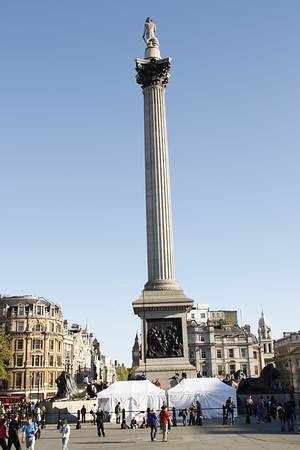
100 422
13 435
152 420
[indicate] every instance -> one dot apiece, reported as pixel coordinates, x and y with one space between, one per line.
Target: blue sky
72 173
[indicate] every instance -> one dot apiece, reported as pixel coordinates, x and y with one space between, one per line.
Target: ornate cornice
153 72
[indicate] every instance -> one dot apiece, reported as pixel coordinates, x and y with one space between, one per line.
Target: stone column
153 75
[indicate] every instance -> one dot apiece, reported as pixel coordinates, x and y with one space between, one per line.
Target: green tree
4 355
122 373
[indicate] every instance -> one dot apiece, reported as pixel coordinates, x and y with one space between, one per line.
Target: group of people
194 413
20 422
268 409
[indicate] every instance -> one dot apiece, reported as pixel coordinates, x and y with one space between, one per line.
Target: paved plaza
211 436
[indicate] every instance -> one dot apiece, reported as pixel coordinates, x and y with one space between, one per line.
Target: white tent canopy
210 392
134 396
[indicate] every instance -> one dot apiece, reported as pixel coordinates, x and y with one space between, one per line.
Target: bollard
174 417
123 421
248 420
224 422
58 420
43 424
78 424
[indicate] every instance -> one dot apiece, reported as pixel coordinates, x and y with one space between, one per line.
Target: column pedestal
165 350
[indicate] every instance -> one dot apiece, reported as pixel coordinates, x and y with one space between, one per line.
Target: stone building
218 346
265 340
35 328
287 359
83 357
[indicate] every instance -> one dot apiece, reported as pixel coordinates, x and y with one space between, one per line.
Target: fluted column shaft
153 75
158 195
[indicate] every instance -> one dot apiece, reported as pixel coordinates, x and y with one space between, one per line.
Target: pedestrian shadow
105 443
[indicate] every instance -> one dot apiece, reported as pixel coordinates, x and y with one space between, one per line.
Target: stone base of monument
168 375
165 352
68 410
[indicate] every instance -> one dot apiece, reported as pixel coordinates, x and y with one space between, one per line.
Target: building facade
35 329
287 359
83 357
265 340
218 346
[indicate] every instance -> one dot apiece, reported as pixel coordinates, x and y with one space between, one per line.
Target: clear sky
72 168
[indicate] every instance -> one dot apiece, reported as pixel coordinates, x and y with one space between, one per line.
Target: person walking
152 420
100 422
199 415
3 434
29 431
289 415
249 403
183 413
118 412
281 416
83 414
261 410
65 431
13 434
93 414
192 411
229 406
165 422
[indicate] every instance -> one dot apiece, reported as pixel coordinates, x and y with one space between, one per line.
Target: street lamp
38 376
291 370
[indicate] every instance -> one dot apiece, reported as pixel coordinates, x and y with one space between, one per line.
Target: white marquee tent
210 392
134 396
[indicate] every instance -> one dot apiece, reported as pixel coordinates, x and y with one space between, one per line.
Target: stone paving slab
212 436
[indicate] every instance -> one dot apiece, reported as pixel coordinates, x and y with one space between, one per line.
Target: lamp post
291 373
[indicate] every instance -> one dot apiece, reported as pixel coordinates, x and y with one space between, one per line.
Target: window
220 370
244 369
37 360
231 353
38 310
19 360
192 316
256 370
243 353
231 368
52 312
18 380
21 310
36 379
51 326
51 344
265 348
270 348
37 327
59 346
58 361
51 360
255 355
37 344
58 329
51 379
20 327
202 338
204 372
19 344
202 315
219 353
203 354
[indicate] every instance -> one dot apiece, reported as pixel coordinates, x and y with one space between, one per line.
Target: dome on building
264 322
